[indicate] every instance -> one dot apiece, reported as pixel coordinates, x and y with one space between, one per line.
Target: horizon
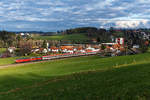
51 16
78 27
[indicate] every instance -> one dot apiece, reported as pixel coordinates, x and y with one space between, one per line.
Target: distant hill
80 30
37 32
71 37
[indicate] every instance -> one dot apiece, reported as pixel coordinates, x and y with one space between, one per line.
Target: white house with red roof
54 49
92 49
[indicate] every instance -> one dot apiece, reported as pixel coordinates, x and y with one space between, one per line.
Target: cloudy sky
53 15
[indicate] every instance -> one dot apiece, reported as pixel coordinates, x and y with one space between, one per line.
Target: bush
144 48
103 47
35 54
6 54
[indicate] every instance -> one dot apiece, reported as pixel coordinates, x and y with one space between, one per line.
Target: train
54 56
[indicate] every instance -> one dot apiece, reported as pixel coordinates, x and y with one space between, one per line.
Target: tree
26 49
98 39
18 38
143 46
44 44
103 47
8 38
111 29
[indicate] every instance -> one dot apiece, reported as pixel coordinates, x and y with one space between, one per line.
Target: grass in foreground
89 78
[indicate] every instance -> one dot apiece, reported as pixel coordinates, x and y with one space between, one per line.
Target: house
136 46
49 50
54 49
25 35
80 50
45 51
11 49
70 50
92 49
22 34
145 36
35 50
120 41
67 49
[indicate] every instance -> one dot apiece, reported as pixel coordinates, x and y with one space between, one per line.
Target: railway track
35 62
51 57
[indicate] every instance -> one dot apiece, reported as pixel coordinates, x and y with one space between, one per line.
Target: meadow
11 60
2 50
81 78
72 37
6 61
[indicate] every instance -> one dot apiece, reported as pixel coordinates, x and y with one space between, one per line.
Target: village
117 48
129 43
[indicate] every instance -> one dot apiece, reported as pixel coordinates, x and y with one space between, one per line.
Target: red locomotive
28 59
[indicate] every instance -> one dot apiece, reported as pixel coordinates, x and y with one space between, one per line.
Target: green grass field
11 60
84 78
73 37
6 61
2 50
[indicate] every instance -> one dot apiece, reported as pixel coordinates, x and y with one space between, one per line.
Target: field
81 78
6 61
2 50
11 60
73 37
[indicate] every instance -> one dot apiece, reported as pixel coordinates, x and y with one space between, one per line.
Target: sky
53 15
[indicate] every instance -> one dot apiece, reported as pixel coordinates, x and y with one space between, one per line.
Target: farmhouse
92 49
67 49
80 50
11 49
54 49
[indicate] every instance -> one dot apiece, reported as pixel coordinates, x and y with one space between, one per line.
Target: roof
54 48
66 47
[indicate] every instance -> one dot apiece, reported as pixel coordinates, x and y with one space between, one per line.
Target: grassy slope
124 77
6 61
63 37
11 60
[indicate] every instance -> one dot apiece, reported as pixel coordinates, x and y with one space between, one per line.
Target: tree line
7 39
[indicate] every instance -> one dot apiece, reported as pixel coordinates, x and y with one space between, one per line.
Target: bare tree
25 49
